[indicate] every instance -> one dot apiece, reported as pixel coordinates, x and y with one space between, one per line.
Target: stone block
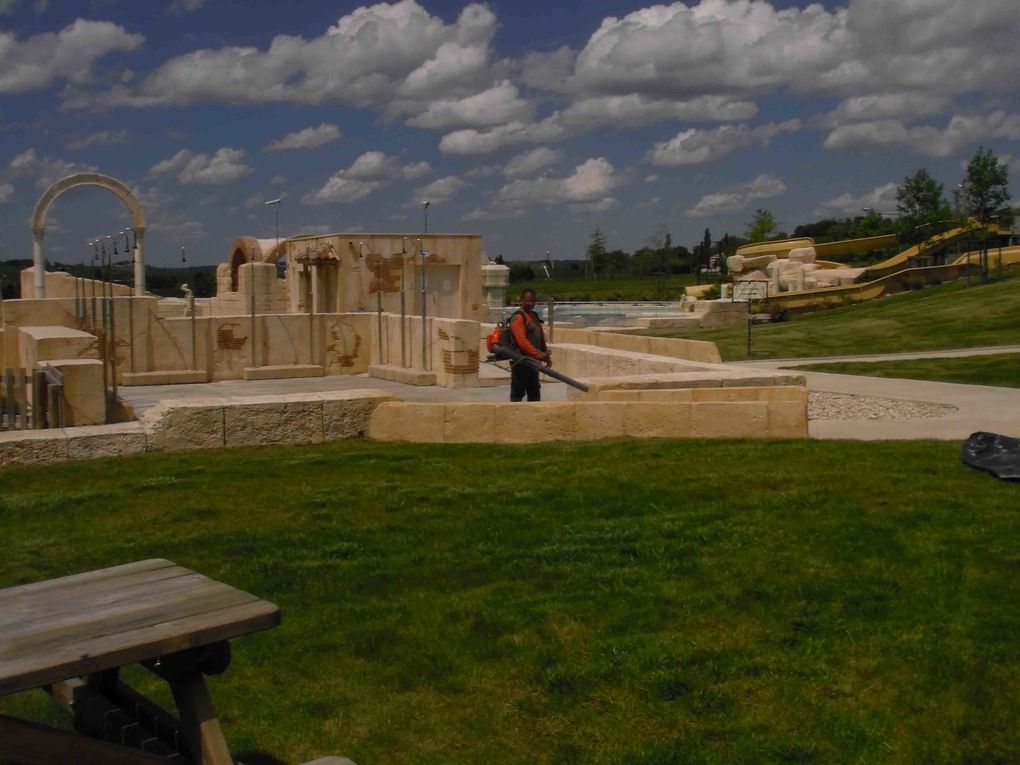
283 371
405 375
32 447
50 342
404 421
346 414
184 424
788 419
729 419
470 423
598 362
98 441
726 394
594 421
533 422
623 364
650 365
263 420
674 395
84 397
657 420
787 393
622 395
169 377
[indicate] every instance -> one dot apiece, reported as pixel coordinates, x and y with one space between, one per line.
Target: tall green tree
597 253
761 227
984 196
920 200
984 193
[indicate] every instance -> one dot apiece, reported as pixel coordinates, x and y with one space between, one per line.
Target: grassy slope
633 602
956 315
1002 369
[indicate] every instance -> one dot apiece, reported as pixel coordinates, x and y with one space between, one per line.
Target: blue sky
529 123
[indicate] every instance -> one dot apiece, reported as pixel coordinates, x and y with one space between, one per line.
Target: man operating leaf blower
522 342
529 338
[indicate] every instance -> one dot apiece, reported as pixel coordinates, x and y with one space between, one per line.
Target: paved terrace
977 407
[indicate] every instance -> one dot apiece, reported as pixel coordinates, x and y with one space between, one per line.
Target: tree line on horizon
922 209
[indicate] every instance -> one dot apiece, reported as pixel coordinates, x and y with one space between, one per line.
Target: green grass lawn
629 602
1001 369
955 315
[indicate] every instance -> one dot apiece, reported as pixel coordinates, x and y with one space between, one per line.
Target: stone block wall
708 413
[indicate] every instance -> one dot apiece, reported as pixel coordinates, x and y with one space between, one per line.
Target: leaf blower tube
516 357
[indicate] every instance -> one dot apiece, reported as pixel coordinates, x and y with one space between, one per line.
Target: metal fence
32 402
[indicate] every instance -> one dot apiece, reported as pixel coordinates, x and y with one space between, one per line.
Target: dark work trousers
524 380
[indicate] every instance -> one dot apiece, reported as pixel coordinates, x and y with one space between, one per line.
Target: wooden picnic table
70 636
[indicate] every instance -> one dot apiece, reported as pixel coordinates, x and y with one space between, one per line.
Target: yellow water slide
1009 256
901 260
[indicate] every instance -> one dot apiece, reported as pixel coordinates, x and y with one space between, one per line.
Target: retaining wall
187 424
703 413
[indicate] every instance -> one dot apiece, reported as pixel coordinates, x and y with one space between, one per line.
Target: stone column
139 262
495 280
39 260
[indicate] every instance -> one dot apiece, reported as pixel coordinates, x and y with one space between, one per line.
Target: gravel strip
843 406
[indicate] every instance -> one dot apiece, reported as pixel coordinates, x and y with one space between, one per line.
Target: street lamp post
424 307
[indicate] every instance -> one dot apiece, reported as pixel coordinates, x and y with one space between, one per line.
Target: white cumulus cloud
440 190
881 198
694 147
960 134
309 138
591 183
38 62
368 173
226 165
531 162
45 171
737 197
386 56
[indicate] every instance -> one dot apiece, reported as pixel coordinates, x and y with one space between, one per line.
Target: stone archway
87 179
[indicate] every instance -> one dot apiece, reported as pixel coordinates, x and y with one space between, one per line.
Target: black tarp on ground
992 453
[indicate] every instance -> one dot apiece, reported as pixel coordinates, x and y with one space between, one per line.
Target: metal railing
46 407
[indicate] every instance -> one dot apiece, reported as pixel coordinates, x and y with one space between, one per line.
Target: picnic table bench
70 637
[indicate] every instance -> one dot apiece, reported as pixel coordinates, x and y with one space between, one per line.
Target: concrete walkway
978 407
952 354
495 387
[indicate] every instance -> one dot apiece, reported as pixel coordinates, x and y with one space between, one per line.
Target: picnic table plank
101 630
75 580
137 645
16 609
88 606
36 636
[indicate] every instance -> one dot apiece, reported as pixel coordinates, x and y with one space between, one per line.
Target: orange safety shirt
529 334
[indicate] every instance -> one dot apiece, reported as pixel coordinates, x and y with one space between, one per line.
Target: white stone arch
87 179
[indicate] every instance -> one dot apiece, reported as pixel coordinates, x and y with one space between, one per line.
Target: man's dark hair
526 290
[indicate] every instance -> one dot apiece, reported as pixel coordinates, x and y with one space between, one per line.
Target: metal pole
308 308
378 310
251 282
113 334
749 326
424 254
403 313
105 336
